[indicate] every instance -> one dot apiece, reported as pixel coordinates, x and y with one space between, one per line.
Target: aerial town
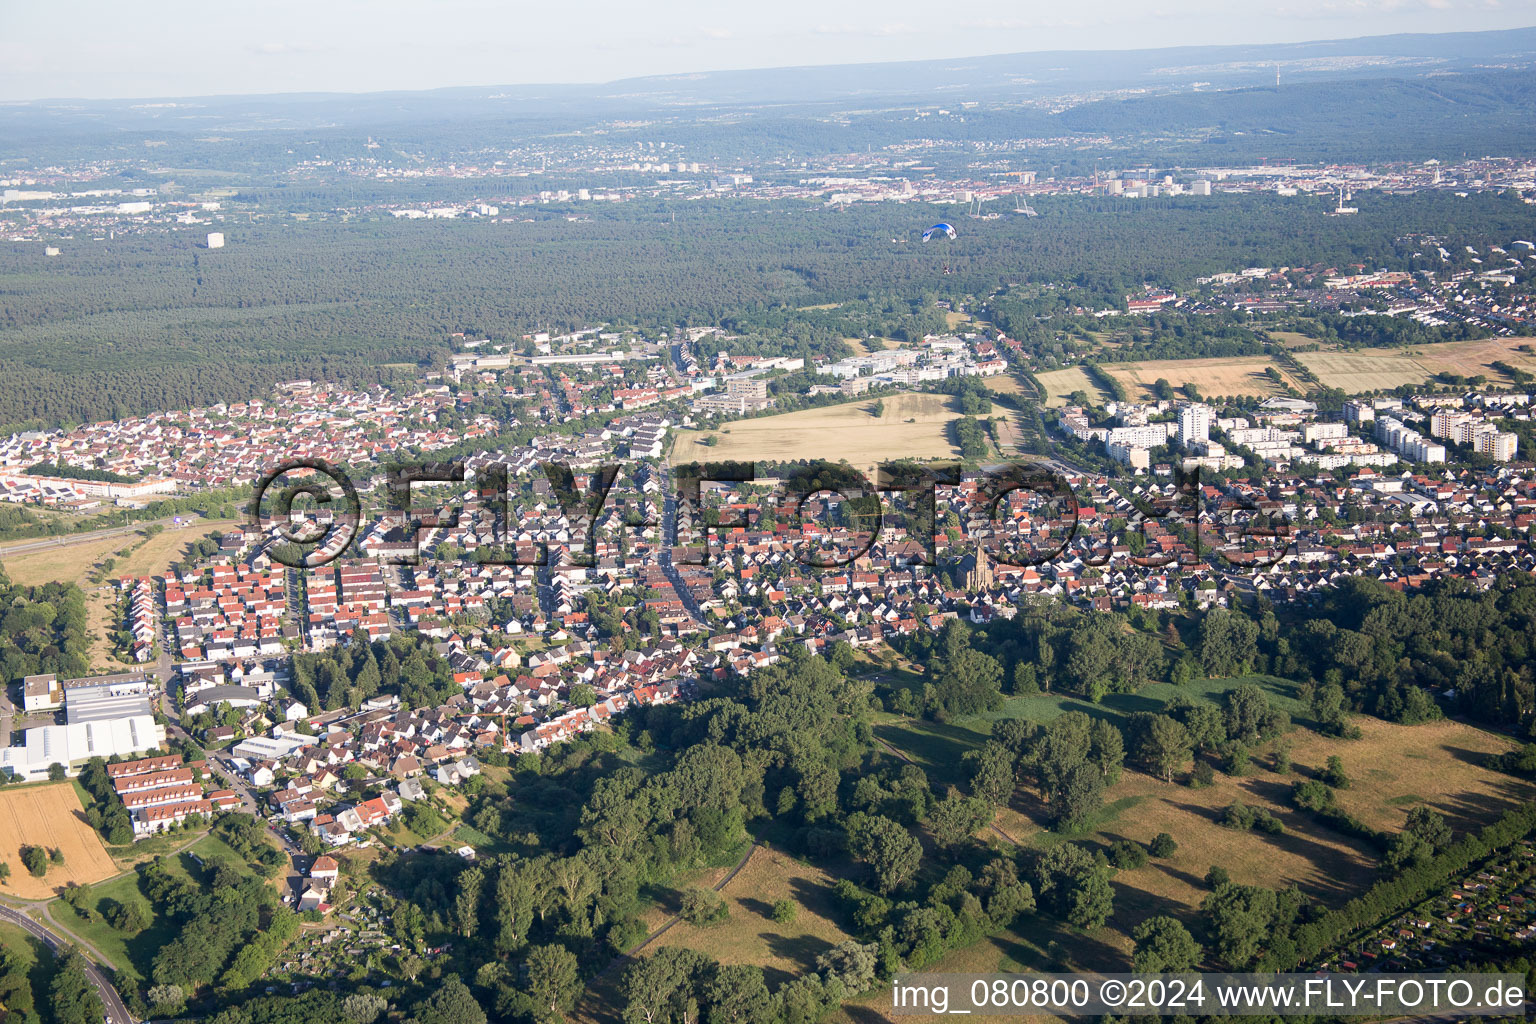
736 546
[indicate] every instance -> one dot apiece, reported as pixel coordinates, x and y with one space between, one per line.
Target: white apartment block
1477 434
1150 435
1195 423
1135 456
1319 431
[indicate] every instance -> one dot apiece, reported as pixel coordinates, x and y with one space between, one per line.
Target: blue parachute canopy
940 229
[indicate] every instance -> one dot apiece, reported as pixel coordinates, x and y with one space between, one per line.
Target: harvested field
1365 370
1059 384
49 816
1239 375
1372 369
849 431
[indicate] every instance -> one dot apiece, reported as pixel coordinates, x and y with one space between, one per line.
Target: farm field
838 432
1372 369
49 816
1059 384
1240 375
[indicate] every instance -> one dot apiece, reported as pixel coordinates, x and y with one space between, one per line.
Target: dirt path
629 954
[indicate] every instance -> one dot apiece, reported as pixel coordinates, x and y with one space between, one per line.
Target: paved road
47 543
669 527
116 1010
248 801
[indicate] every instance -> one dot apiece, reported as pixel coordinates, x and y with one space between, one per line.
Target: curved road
116 1010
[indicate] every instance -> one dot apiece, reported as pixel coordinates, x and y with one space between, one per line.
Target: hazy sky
159 48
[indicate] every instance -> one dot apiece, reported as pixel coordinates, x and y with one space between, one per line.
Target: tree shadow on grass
761 908
800 950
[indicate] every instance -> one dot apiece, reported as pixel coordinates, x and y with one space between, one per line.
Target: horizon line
662 77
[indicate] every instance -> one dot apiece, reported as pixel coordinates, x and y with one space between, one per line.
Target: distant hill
1056 71
1019 76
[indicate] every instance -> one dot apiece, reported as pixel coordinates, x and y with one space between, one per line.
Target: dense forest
151 322
42 629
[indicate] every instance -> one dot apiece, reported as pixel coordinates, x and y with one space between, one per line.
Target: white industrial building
271 748
74 744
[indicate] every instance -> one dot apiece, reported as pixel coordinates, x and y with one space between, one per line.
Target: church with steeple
979 577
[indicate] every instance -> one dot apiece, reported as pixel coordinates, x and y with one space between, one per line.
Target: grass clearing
131 955
66 563
1005 384
849 431
1293 339
864 346
1390 767
135 954
937 747
751 936
170 546
35 959
50 816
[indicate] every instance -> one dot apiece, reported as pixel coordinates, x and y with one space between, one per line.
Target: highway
48 543
116 1010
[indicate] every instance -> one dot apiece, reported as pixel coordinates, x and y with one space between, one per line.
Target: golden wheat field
909 426
51 817
1236 375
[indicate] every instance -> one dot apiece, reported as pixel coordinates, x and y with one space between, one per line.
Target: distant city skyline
173 48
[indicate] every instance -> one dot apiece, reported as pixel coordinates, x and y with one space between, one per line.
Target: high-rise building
1194 423
215 239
